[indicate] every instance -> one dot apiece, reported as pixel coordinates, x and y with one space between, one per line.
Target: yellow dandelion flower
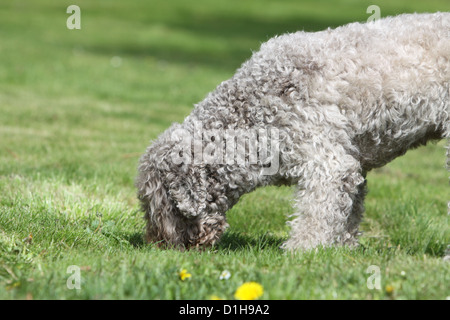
214 297
249 291
389 289
184 274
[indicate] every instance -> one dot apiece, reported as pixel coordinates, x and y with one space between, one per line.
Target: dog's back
389 78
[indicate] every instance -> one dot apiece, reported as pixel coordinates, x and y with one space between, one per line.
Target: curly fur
345 101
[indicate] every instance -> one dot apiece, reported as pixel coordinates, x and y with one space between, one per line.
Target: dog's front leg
329 204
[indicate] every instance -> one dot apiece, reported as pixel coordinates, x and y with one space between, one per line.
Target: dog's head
184 202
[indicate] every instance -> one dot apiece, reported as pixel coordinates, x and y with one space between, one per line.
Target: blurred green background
78 107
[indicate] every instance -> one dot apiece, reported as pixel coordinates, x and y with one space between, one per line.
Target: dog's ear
185 182
197 192
192 184
188 189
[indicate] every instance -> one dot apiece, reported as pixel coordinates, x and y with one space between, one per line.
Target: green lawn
78 107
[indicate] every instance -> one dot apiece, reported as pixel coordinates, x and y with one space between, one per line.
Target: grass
79 106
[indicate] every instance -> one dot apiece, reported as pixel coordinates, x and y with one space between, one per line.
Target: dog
315 110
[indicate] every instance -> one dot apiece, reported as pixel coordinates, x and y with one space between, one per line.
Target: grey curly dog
315 110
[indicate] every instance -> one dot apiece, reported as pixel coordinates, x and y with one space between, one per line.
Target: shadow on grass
234 241
231 241
136 239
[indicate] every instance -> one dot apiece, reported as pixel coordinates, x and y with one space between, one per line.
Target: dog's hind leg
357 211
448 165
